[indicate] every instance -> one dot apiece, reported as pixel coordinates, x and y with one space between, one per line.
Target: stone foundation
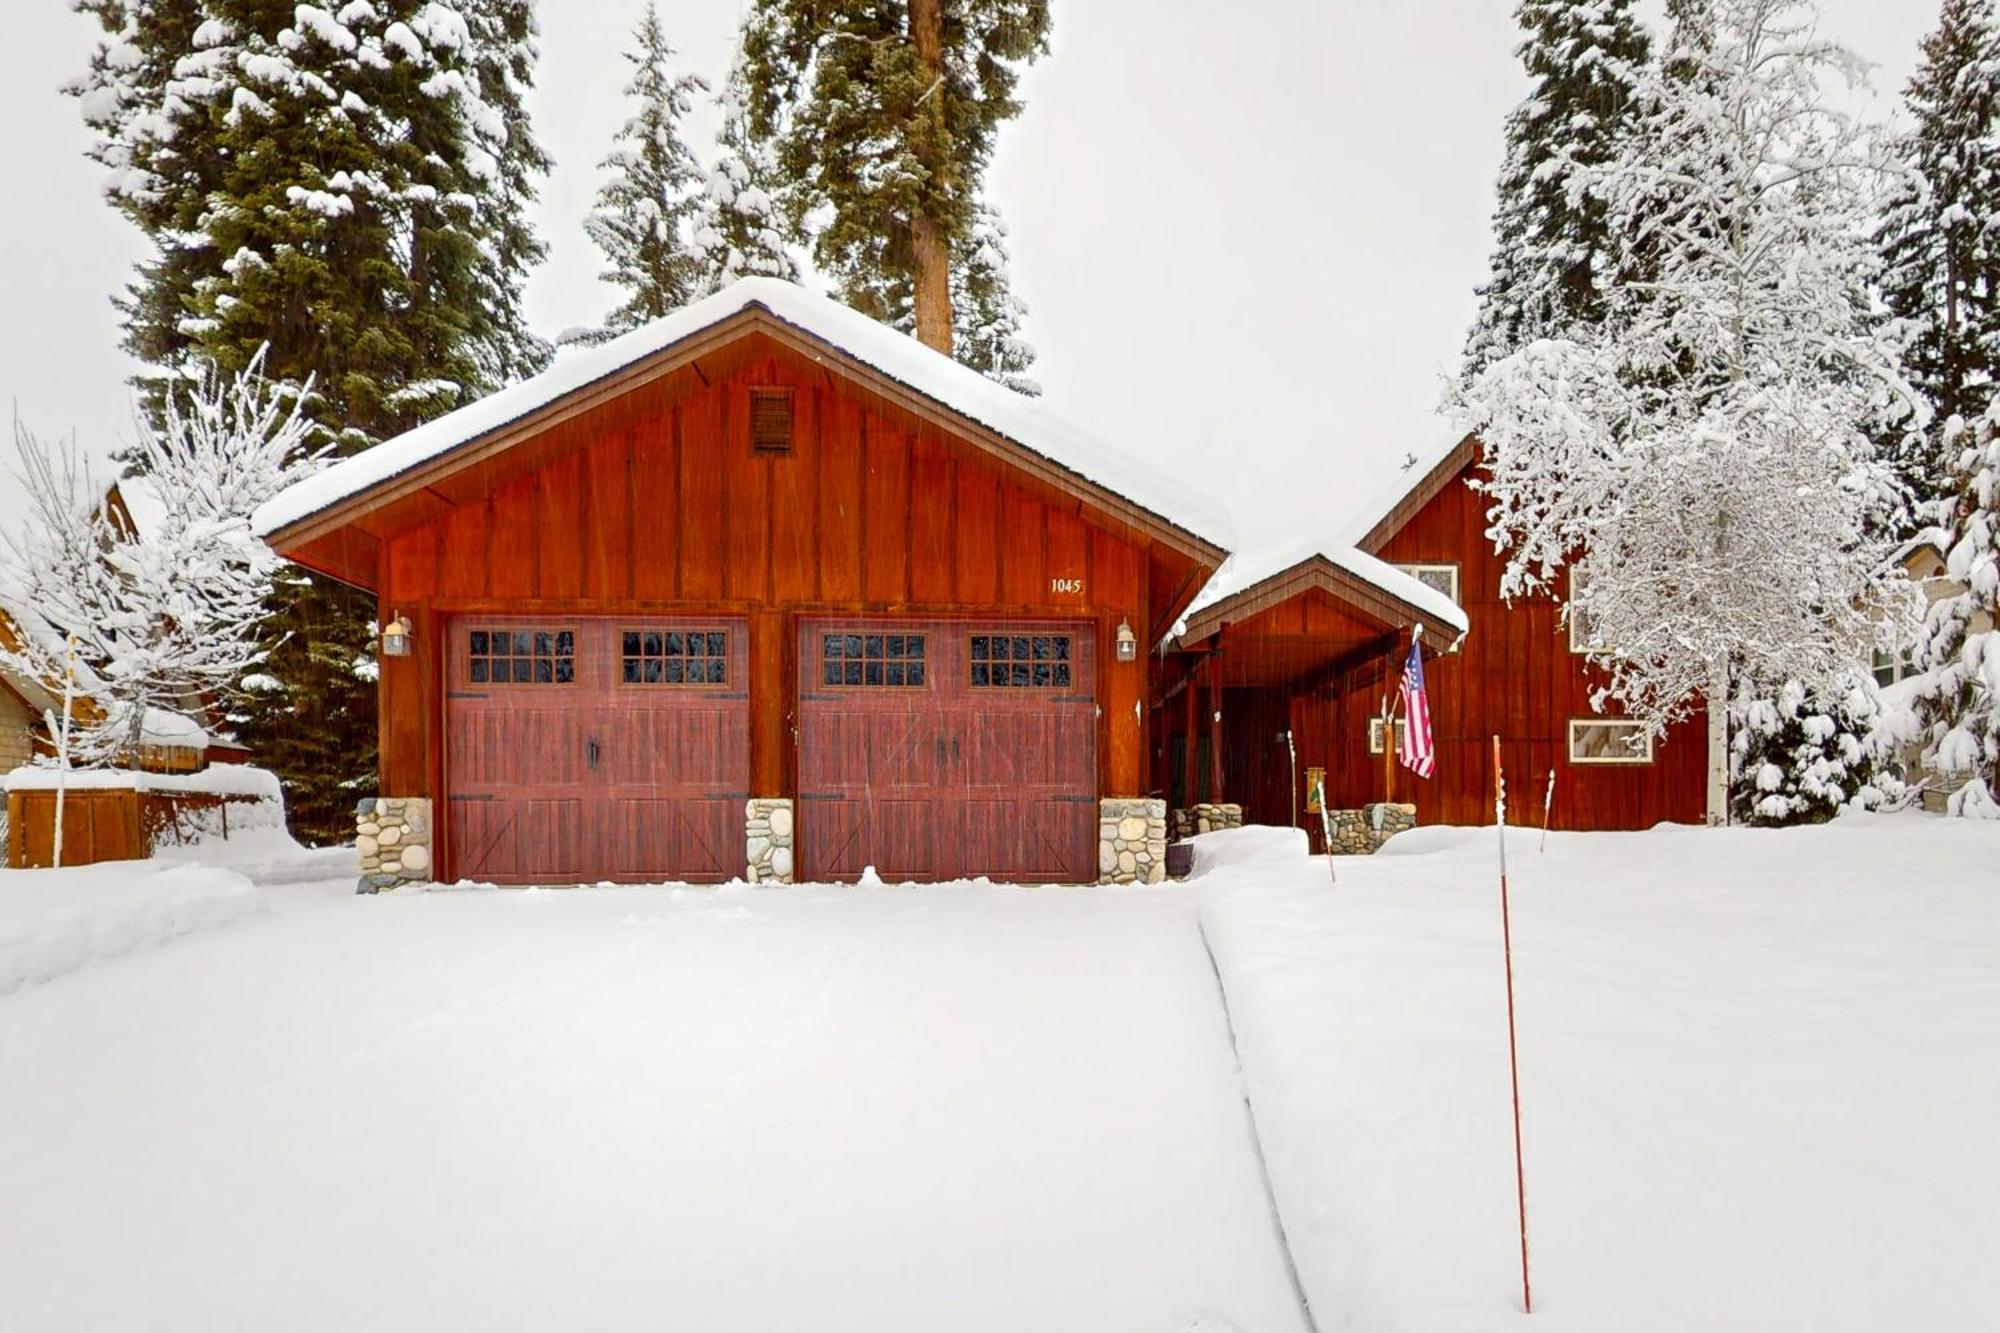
1210 817
767 840
1361 832
1131 841
393 836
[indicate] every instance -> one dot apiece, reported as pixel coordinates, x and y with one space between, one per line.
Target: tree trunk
1718 747
930 248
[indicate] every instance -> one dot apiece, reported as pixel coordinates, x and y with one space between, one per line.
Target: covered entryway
584 749
938 749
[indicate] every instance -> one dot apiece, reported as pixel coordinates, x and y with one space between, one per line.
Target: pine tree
1957 703
1555 255
1801 756
738 229
986 315
644 220
884 116
348 189
1938 236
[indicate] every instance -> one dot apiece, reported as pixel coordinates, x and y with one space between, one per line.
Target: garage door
580 750
938 749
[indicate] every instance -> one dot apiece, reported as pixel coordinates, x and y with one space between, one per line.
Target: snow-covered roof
1367 517
1244 571
1933 537
1027 422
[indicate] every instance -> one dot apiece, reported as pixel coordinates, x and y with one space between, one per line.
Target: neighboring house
1511 671
1923 560
762 569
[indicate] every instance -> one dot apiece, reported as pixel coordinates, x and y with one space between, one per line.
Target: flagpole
1513 1058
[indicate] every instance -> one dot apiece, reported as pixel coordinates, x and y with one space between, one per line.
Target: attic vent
771 421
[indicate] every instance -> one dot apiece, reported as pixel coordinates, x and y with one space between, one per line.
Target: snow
215 780
1251 845
965 1107
1363 520
1246 570
57 921
1757 1076
1025 421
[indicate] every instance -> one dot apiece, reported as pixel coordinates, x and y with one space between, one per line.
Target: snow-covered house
1295 661
761 587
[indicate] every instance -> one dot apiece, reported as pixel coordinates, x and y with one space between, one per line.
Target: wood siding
657 505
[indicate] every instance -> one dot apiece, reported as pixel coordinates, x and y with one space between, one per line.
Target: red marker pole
1513 1057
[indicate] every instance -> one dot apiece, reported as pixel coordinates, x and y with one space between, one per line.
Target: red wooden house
1301 675
765 586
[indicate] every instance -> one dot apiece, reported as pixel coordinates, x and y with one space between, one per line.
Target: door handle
590 752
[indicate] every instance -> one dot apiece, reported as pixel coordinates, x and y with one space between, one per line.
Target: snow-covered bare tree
1957 701
1703 457
644 219
986 314
1940 236
738 229
1554 256
174 610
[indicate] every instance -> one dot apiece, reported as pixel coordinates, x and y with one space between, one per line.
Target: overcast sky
1248 235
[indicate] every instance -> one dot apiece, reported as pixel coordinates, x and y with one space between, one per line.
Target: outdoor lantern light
396 638
1128 642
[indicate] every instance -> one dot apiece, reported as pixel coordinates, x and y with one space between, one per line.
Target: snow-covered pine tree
1939 241
1554 255
348 187
1801 757
173 611
884 117
1703 457
1957 700
739 231
986 315
644 218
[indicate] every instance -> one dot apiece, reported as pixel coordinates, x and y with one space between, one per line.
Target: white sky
1248 243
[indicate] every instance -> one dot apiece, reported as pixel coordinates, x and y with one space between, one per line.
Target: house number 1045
1066 587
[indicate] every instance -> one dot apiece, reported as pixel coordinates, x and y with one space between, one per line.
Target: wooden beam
1215 722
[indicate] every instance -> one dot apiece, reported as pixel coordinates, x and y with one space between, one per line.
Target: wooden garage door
580 750
938 749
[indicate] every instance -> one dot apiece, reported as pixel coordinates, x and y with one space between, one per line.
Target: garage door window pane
1021 661
674 657
520 657
877 661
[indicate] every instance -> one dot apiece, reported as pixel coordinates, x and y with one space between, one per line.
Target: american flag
1414 748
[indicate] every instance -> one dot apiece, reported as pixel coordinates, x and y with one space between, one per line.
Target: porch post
1188 770
1215 724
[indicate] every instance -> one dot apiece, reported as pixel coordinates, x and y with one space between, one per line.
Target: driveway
958 1108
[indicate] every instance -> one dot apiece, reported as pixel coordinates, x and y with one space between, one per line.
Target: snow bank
1025 421
1757 1075
215 780
1253 844
56 921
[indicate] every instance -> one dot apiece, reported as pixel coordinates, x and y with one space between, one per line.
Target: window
1583 636
1375 735
1892 667
771 421
1608 741
1021 661
674 657
521 657
1444 578
887 660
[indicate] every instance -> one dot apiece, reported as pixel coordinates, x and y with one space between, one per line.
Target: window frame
488 658
921 658
1377 734
1065 663
1418 569
1634 759
620 657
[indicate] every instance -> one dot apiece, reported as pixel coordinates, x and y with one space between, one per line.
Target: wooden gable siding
1515 677
657 505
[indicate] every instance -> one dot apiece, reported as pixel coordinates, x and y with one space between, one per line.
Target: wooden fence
109 824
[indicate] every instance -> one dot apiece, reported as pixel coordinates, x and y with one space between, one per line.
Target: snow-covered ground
961 1108
56 921
1760 1076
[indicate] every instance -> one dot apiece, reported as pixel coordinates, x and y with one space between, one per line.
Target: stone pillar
1361 832
1131 841
767 840
1208 817
393 836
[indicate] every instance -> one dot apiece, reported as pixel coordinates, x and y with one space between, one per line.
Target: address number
1066 587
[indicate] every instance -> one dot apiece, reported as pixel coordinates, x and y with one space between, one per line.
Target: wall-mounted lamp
1128 642
396 638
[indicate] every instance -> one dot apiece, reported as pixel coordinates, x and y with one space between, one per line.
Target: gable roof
1414 487
829 331
1250 582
